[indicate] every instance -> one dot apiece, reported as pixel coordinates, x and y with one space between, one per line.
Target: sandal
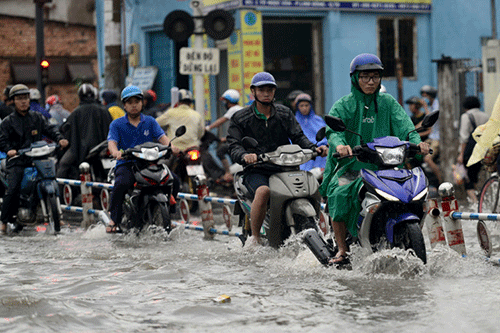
111 228
341 261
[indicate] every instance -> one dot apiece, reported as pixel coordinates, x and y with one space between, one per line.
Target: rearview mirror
321 134
335 123
430 119
249 143
180 131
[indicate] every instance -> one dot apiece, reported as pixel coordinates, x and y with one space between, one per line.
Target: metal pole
493 20
40 50
197 7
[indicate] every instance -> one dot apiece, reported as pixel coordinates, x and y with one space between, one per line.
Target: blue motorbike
392 198
39 200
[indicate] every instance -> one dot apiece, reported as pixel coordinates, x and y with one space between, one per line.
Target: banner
234 61
366 5
252 49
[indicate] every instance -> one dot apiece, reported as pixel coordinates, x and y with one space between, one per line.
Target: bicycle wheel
489 197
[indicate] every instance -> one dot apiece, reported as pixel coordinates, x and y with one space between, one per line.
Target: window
400 30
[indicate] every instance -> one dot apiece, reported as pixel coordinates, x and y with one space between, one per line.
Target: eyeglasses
366 79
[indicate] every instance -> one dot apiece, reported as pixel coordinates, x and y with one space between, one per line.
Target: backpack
471 143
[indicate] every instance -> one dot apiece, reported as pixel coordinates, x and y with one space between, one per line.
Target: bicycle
490 192
488 198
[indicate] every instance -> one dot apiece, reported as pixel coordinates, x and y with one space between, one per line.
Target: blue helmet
131 91
263 79
366 62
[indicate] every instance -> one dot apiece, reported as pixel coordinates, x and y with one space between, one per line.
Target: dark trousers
67 167
10 203
124 180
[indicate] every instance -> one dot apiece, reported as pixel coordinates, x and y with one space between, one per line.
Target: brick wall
18 40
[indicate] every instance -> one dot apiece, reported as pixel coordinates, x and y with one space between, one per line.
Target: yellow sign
252 50
234 60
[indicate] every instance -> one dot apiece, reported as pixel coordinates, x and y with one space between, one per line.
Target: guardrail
445 210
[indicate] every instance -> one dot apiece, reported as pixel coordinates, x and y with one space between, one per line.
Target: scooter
294 198
187 166
100 162
392 199
149 202
39 199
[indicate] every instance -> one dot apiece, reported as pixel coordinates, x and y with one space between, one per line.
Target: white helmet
231 95
35 94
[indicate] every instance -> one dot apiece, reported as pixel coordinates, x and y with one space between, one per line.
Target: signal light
45 64
193 155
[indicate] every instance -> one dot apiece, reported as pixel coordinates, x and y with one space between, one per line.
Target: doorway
292 54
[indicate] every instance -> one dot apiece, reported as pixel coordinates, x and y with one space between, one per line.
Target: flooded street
93 282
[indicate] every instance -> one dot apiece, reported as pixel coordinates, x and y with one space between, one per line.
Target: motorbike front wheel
161 216
409 236
53 212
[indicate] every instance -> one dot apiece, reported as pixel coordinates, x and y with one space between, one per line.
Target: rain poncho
310 126
372 116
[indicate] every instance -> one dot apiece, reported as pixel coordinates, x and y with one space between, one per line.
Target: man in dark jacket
272 126
85 128
17 131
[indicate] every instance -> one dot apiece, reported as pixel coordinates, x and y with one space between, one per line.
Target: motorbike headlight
420 195
40 151
385 195
151 154
392 156
290 159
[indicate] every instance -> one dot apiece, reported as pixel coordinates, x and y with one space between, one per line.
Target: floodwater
88 281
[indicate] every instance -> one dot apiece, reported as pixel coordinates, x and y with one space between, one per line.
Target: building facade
308 45
70 46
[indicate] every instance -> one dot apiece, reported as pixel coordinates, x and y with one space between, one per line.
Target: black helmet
86 91
7 90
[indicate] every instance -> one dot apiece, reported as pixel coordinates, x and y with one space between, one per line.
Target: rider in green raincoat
371 114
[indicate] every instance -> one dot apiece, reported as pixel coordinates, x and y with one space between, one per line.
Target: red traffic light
44 64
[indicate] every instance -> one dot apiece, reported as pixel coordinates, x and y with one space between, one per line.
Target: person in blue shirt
126 132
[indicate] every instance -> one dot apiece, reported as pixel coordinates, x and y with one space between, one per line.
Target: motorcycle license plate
108 163
195 170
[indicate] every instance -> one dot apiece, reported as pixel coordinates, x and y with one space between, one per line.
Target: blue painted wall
454 28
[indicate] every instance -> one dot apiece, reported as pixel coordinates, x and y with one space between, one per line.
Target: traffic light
179 25
44 64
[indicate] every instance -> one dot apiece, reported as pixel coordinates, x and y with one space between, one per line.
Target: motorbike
101 163
187 166
213 165
39 196
392 198
149 202
294 199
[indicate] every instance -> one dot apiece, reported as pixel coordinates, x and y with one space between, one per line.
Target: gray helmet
18 89
86 91
431 91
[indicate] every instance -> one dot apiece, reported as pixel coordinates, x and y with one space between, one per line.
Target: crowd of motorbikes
392 198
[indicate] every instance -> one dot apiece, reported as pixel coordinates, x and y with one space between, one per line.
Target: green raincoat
358 111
